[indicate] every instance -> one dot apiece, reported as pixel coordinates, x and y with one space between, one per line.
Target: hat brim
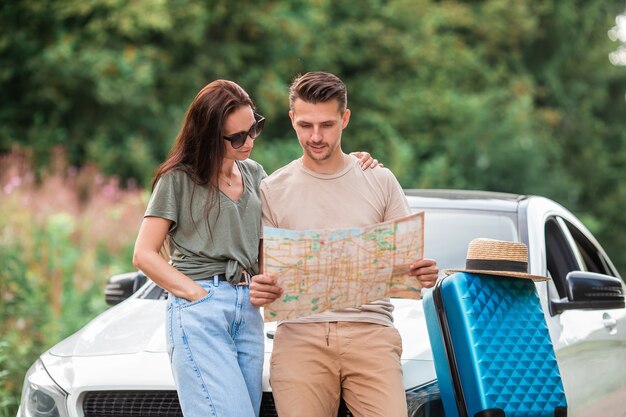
521 275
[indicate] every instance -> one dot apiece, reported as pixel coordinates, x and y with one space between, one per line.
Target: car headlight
41 396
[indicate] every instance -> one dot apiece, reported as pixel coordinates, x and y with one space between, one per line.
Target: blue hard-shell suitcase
492 349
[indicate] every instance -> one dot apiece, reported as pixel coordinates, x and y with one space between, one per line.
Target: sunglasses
238 139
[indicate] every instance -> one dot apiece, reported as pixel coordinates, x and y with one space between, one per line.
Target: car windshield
448 232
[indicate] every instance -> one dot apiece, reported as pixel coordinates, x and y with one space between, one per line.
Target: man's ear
291 117
346 118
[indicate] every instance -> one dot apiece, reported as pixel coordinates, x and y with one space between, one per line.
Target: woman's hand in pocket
196 292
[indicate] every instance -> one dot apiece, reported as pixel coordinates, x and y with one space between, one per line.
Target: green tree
107 79
508 96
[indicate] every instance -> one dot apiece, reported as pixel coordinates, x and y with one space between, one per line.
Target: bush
61 235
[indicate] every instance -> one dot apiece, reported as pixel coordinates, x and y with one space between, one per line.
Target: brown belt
244 279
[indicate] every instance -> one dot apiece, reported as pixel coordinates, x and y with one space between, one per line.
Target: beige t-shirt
297 198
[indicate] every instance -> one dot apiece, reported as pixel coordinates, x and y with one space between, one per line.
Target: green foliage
59 241
511 96
8 398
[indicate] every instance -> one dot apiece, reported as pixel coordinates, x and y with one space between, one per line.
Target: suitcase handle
459 397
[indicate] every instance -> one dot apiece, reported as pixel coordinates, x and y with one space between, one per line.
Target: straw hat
497 257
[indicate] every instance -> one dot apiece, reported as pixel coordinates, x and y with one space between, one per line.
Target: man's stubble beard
317 157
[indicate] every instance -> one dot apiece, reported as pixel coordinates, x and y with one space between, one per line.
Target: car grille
154 404
132 404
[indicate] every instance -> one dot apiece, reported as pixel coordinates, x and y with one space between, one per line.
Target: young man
355 352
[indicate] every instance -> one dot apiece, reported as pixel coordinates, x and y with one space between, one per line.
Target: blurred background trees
498 95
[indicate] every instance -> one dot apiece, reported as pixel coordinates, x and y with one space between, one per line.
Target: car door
591 349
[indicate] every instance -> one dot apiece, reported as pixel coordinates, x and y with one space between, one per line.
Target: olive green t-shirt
228 241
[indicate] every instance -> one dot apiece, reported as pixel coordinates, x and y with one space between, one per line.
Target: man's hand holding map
337 268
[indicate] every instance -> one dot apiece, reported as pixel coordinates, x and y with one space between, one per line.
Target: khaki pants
314 364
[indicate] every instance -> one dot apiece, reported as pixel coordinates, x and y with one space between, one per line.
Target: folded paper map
337 268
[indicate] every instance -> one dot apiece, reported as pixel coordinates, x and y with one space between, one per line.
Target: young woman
205 204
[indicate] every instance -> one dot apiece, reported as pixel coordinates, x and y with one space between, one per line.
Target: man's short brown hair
318 87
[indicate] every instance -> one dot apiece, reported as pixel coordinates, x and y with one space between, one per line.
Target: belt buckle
246 278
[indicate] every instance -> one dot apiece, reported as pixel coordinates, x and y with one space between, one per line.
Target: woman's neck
228 168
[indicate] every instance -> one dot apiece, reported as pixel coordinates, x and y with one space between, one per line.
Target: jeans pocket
183 303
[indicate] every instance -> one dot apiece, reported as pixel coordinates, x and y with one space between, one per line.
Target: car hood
131 335
133 326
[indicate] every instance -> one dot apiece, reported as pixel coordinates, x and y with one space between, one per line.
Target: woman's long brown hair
199 148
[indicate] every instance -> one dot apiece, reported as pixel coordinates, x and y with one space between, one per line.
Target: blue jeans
215 346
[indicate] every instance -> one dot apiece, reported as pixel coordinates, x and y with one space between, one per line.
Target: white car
117 366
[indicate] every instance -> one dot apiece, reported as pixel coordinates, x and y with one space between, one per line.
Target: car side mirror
121 286
590 291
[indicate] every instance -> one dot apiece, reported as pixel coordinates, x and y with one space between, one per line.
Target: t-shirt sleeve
259 172
263 174
267 217
163 201
397 204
